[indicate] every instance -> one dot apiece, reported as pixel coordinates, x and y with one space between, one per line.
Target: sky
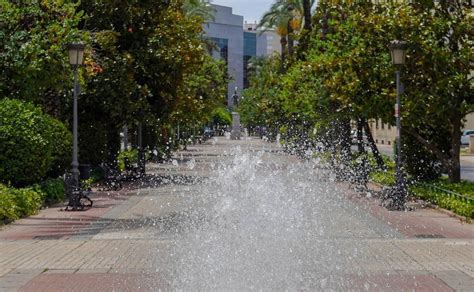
252 10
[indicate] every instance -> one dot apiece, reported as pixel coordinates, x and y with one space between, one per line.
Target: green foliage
442 200
346 73
20 202
149 65
54 191
97 174
465 188
28 200
30 143
384 177
34 65
61 139
130 155
8 208
419 163
221 116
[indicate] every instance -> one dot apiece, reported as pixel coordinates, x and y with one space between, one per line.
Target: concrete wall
227 25
273 43
261 45
469 125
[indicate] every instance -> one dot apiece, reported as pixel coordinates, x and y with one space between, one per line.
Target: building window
377 124
250 50
222 48
389 126
382 125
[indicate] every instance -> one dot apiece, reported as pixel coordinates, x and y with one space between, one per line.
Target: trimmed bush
54 191
30 143
17 203
28 200
8 208
443 201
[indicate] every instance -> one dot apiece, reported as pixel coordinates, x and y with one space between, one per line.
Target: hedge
31 144
54 191
20 202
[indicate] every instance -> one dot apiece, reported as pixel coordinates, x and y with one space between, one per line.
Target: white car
466 136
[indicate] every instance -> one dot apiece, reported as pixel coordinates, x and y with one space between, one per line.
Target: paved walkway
237 215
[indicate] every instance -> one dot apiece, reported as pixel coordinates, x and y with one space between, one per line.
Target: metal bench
79 200
78 197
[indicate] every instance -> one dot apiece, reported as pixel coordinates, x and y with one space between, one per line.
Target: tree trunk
307 14
345 140
373 146
454 173
283 43
291 42
360 136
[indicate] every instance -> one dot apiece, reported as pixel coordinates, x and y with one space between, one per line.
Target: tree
286 17
438 77
33 64
200 8
151 58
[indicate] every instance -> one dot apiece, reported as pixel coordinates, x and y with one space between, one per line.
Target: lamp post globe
76 59
398 54
76 53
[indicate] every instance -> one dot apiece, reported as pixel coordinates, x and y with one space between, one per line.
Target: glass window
250 50
222 47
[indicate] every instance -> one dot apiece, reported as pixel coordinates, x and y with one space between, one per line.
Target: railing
451 193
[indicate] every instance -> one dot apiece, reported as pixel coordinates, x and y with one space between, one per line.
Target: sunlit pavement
237 215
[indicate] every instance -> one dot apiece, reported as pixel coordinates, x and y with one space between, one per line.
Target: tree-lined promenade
341 71
145 63
147 67
340 76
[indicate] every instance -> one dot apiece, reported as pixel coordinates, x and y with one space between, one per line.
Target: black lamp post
76 59
398 53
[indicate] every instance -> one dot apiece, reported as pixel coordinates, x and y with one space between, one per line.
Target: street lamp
76 58
398 53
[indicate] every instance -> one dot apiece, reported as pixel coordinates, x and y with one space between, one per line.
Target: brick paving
129 243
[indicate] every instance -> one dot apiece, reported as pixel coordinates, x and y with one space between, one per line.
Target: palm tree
201 8
285 17
307 4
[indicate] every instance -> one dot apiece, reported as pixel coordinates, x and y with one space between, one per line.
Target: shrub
17 203
8 207
62 145
28 200
30 142
97 174
442 200
54 191
131 155
221 116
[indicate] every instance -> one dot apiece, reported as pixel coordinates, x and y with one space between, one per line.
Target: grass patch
443 200
384 177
